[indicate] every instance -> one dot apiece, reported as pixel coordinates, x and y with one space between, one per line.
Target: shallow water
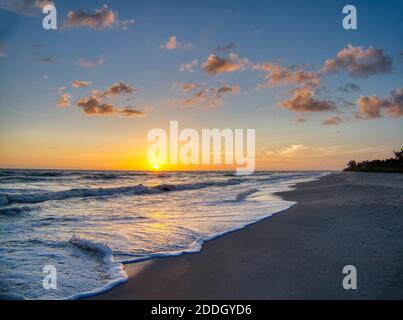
87 223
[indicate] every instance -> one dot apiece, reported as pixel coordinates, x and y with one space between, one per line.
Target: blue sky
36 132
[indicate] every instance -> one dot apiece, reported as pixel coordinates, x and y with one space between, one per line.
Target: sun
156 166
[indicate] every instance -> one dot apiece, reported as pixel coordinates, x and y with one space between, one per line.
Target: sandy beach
342 219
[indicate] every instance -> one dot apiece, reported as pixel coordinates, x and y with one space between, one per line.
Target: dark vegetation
394 164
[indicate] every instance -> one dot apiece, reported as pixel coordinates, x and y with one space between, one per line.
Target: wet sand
342 219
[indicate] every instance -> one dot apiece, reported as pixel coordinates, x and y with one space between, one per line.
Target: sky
85 96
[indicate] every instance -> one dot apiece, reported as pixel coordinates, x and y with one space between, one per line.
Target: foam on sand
116 271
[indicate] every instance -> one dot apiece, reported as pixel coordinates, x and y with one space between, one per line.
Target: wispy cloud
225 48
344 102
300 120
44 60
80 84
173 43
333 121
277 75
119 88
349 87
190 67
90 63
293 149
190 86
126 23
64 100
205 97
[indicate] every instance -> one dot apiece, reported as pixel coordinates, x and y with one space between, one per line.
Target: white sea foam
116 271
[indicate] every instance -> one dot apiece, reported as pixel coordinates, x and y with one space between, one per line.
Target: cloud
99 19
344 102
189 86
173 43
24 7
124 24
303 101
371 107
215 64
64 100
359 61
189 66
293 149
88 63
44 60
132 112
349 87
198 98
228 89
3 49
205 97
225 48
300 120
80 84
333 121
394 107
306 85
119 88
94 105
277 75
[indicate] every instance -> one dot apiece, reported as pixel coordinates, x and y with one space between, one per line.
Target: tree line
394 164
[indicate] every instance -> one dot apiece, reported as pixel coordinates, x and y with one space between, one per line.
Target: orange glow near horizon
29 155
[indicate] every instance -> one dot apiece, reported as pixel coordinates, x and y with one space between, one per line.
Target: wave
41 175
116 271
16 210
243 195
101 192
16 179
104 176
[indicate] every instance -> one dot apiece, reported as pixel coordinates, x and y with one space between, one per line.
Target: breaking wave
101 192
243 195
16 210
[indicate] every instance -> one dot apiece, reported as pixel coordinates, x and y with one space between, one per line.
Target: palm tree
399 154
352 164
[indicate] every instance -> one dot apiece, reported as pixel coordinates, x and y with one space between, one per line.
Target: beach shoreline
341 219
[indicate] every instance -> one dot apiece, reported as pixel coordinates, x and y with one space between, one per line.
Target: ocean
88 224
